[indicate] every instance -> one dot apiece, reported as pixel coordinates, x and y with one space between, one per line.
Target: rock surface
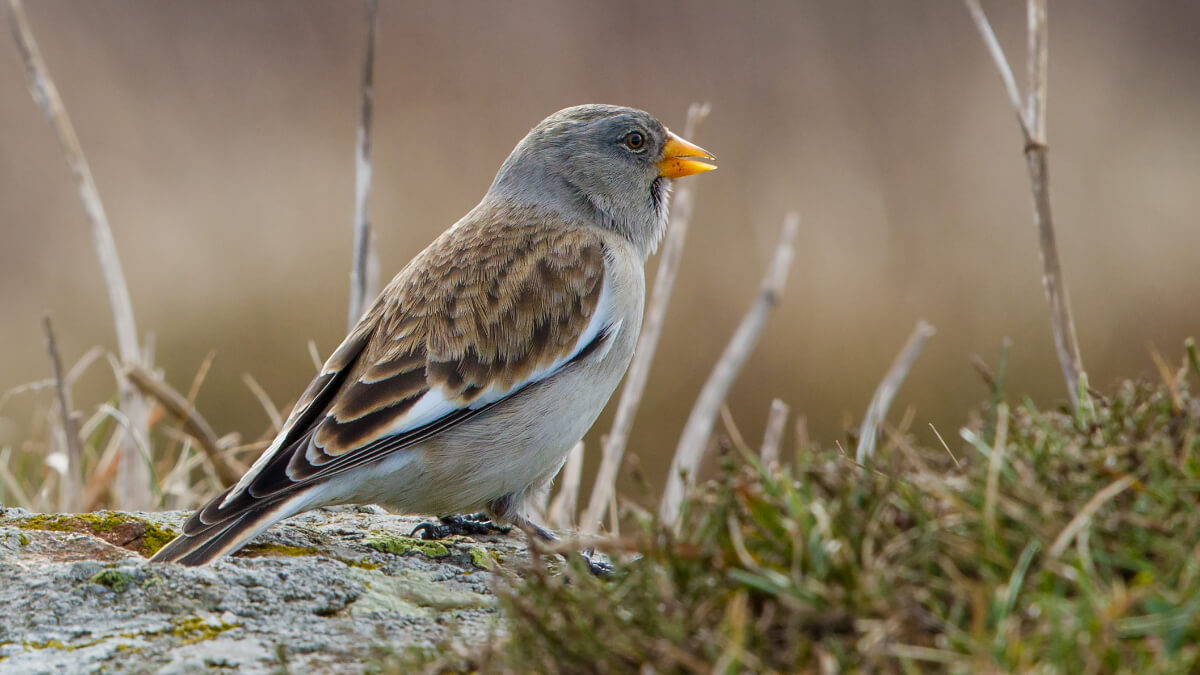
327 591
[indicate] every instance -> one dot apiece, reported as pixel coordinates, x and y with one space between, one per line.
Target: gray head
603 164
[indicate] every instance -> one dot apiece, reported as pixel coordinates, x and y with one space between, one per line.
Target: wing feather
488 309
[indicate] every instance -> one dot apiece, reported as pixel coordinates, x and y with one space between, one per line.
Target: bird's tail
204 542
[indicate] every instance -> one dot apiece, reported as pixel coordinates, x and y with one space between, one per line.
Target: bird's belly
520 443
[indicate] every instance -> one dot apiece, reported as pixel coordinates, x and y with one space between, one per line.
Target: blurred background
221 135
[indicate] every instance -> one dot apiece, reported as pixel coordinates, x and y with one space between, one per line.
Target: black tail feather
205 545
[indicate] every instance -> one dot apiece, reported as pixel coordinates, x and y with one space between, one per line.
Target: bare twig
101 480
696 432
69 489
639 370
362 286
1001 61
89 357
264 399
886 391
315 355
193 392
773 436
735 434
16 494
134 475
1032 119
193 423
562 509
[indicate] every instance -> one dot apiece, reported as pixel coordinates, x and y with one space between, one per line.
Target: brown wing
481 313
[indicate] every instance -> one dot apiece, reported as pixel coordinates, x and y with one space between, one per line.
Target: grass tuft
1088 563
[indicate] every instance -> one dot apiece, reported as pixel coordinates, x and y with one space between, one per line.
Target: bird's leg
447 526
597 567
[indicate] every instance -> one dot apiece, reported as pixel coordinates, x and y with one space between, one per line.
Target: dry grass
1054 541
190 462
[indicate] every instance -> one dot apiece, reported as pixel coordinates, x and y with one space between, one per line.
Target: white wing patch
434 404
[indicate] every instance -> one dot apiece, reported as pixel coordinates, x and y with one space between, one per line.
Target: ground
328 591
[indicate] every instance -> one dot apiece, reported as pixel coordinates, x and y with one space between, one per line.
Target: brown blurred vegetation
221 136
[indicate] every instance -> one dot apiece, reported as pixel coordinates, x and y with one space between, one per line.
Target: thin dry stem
995 462
613 452
773 436
194 391
264 399
1032 119
69 488
735 434
693 442
134 475
315 355
10 481
997 53
801 427
1037 62
193 423
362 286
562 509
1085 514
886 391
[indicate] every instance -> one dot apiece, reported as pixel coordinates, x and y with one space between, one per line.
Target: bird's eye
635 141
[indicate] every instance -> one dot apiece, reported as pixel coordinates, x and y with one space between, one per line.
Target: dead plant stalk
881 401
639 370
696 432
133 476
70 487
364 271
1031 116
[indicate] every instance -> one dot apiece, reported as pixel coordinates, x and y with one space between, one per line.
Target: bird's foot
599 567
448 526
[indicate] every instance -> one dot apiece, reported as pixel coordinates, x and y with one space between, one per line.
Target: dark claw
599 568
475 524
428 530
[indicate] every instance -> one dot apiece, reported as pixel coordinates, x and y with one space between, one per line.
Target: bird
489 355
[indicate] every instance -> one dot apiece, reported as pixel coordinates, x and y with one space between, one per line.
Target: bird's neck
642 222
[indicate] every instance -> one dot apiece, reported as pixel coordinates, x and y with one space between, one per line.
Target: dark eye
635 140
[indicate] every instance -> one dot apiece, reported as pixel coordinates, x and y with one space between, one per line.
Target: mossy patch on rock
114 580
277 550
412 593
482 559
118 529
406 545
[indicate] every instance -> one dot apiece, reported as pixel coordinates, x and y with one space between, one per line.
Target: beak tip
684 158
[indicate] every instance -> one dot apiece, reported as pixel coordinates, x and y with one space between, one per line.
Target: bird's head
605 164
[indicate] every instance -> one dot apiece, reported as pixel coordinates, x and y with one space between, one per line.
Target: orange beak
683 158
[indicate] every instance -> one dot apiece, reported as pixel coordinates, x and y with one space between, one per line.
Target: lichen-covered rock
326 591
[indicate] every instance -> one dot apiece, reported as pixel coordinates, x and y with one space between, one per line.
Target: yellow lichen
361 563
482 559
151 538
404 545
194 629
277 550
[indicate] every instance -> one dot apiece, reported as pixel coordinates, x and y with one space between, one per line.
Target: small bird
489 355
